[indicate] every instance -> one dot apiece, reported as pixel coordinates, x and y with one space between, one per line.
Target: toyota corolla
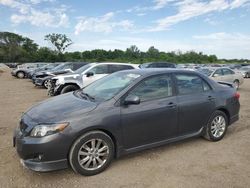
125 112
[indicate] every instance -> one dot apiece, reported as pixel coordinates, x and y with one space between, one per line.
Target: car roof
154 71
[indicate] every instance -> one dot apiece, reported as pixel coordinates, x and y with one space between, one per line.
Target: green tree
133 52
16 47
153 53
59 41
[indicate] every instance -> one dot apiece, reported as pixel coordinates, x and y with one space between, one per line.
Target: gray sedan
125 112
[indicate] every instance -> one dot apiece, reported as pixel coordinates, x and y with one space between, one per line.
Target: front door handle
211 98
171 105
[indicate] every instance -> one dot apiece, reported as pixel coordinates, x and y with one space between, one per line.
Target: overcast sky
220 27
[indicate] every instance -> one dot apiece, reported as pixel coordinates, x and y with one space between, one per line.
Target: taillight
237 95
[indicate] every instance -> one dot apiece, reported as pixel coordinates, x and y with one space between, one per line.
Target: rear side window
156 87
189 84
115 68
227 72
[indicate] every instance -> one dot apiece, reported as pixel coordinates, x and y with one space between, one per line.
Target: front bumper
38 82
41 154
53 89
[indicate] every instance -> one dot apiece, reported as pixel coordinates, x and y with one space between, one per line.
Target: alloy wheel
93 154
218 126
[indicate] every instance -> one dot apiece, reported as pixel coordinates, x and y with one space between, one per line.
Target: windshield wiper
87 95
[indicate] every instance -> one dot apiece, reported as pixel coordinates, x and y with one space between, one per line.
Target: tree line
17 48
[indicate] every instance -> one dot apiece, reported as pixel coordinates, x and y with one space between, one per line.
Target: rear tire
91 153
69 88
217 126
20 74
247 75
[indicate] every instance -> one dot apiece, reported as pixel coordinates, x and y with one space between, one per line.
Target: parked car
22 70
124 112
84 76
47 67
245 71
223 74
157 65
42 78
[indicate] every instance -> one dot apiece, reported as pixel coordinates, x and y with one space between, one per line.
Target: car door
196 102
98 71
218 75
229 76
155 118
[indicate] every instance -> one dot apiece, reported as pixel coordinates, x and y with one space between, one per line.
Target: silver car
223 74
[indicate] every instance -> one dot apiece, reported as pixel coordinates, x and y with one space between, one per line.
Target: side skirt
160 143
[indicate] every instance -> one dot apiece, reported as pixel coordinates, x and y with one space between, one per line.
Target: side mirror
132 99
88 74
216 75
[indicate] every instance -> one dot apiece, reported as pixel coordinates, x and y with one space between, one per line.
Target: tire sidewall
73 155
209 133
23 74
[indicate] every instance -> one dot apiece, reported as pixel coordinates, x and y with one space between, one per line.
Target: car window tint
115 68
100 69
68 66
154 88
218 72
227 72
188 84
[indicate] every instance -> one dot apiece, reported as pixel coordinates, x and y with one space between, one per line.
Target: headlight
45 130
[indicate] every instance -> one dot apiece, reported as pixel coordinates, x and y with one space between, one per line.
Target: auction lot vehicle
223 74
47 67
42 78
157 65
84 76
22 70
245 71
124 112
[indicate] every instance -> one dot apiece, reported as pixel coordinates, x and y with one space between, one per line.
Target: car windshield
82 69
144 65
107 87
59 67
207 72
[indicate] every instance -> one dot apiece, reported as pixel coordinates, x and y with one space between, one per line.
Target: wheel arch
98 128
22 72
223 109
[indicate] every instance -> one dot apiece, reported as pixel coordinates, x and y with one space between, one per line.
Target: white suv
84 76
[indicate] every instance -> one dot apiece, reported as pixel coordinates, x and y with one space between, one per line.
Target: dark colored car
157 65
42 78
44 68
124 112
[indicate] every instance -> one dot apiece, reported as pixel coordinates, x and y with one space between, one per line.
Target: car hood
69 75
60 108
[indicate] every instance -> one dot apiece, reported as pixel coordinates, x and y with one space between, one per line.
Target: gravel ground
192 163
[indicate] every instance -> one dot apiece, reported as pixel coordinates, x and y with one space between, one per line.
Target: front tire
217 126
92 153
20 74
46 83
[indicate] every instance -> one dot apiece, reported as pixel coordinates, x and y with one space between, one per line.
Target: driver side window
154 88
100 69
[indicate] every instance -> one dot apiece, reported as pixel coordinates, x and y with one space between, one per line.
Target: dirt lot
192 163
